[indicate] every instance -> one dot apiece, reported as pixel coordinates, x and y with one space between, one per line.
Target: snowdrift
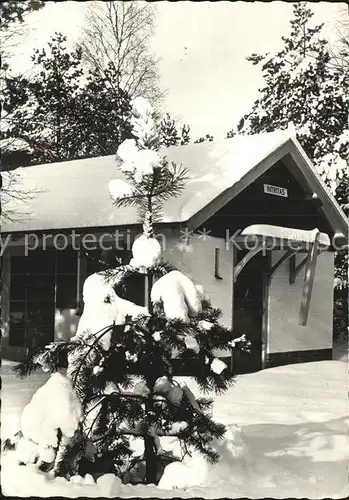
288 438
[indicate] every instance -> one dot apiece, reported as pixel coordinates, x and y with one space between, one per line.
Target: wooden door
248 312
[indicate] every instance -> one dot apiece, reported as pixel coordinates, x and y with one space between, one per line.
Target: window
32 299
133 288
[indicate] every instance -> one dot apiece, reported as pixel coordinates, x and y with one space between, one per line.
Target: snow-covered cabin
255 225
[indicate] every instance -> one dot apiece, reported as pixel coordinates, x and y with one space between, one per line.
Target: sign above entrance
276 190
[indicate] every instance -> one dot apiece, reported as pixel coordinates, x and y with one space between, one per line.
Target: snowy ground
291 426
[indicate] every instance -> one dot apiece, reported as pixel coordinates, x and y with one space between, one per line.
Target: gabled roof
74 194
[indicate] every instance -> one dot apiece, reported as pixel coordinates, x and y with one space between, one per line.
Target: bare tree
14 194
118 35
13 28
13 25
340 48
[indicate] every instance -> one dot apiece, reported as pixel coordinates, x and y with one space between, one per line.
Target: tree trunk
150 460
149 442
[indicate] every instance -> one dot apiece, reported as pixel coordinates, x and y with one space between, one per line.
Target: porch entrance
248 310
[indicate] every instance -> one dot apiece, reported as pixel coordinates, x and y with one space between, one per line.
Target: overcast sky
203 48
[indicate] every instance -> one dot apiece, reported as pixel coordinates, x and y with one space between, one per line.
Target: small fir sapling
177 331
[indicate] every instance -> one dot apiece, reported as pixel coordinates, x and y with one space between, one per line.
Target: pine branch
138 433
26 368
164 183
101 333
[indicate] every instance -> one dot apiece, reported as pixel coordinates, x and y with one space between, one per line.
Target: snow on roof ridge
283 133
214 166
61 163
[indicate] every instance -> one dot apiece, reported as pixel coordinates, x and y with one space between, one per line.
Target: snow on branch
151 179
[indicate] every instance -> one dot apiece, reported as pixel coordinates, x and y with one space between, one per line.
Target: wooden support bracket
239 267
287 255
294 270
309 280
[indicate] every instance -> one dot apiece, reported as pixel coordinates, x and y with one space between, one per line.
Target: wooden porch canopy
258 238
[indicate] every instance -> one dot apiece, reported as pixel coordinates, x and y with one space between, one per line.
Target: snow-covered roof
74 194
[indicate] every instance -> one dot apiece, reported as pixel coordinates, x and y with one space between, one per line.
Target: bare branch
13 192
119 34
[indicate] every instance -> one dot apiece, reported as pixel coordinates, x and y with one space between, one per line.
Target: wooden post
78 277
265 309
232 303
292 267
295 269
309 281
239 267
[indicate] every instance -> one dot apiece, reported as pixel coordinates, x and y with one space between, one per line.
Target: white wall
197 261
284 332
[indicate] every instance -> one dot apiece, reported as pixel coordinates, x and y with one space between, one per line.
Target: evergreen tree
15 11
177 331
170 133
62 113
305 90
104 120
13 16
341 303
46 122
185 135
207 137
231 134
12 27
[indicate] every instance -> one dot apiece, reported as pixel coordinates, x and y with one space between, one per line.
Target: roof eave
231 192
331 209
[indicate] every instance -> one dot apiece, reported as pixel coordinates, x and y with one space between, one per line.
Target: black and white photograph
174 249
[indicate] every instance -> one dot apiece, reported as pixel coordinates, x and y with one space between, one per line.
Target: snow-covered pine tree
171 134
185 135
177 331
206 138
63 112
306 91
